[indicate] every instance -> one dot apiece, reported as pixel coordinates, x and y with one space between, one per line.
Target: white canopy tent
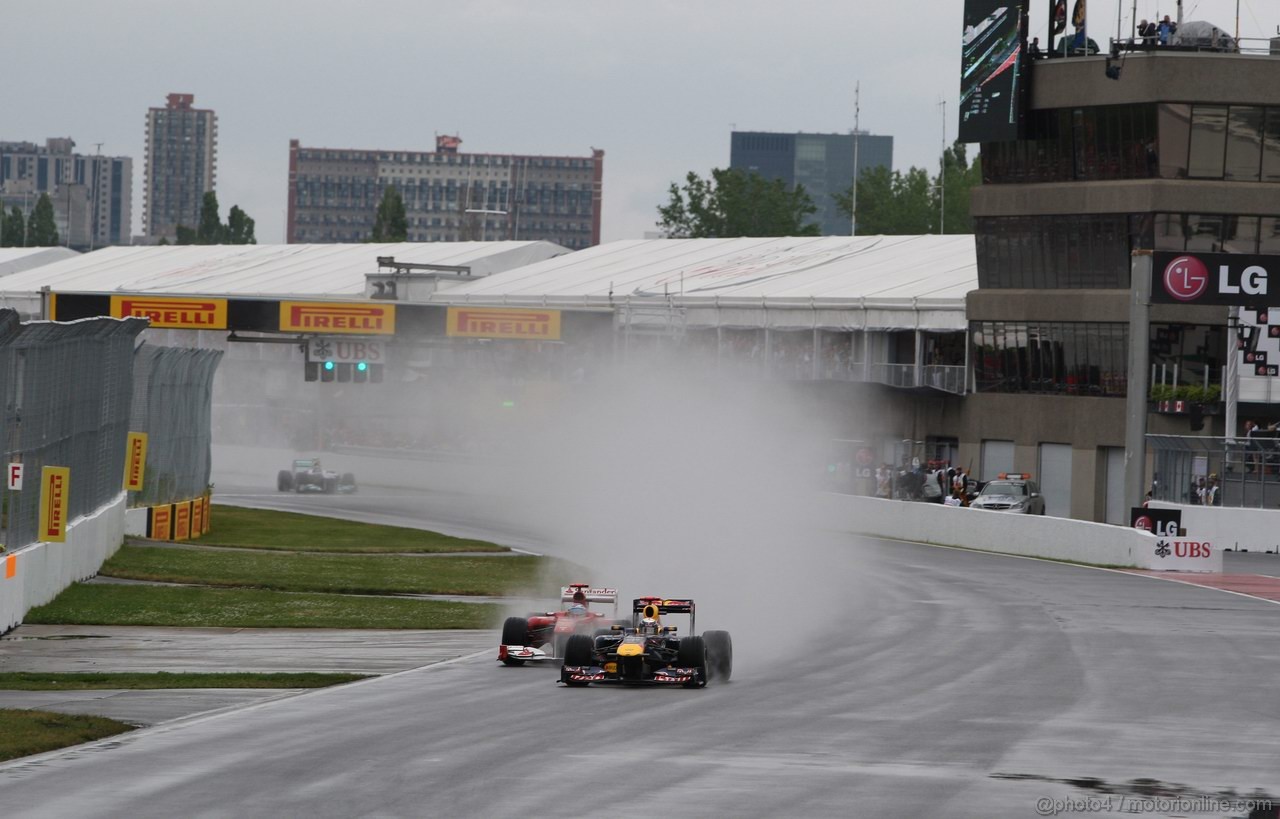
831 282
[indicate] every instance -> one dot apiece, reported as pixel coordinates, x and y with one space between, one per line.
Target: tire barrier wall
37 573
1099 544
172 403
184 520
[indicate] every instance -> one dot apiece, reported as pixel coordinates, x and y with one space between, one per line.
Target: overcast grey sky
658 85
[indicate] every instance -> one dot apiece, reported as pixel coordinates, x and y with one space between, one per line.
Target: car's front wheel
719 654
515 632
693 654
579 650
284 480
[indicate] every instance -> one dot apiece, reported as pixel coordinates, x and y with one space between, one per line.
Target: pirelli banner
327 317
173 313
503 322
183 520
55 498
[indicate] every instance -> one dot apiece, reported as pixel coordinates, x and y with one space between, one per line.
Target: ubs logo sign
1185 278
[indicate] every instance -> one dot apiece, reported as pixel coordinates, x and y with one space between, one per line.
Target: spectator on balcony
1166 29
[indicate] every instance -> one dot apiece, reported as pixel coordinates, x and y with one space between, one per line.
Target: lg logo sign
1187 279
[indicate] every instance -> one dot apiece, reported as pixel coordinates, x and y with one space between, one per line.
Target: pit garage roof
863 282
18 259
300 271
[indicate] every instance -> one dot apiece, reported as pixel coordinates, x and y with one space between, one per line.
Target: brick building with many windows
449 196
181 165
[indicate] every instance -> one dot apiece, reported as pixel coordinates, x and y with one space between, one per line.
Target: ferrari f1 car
308 476
648 652
542 635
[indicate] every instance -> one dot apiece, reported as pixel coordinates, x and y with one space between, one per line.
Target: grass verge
345 574
23 733
83 604
289 531
32 681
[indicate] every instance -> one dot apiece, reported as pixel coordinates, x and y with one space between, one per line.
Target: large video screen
991 70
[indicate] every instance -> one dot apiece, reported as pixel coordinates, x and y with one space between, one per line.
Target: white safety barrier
1099 544
1253 530
35 574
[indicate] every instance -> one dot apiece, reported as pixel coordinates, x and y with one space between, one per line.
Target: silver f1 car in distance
647 652
308 476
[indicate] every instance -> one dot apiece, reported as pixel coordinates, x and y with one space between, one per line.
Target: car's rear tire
719 654
579 650
284 481
693 654
515 632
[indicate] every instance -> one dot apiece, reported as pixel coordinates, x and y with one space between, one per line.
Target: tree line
733 202
16 230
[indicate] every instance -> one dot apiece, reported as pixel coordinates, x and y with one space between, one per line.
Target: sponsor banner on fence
135 461
1159 522
197 517
501 322
55 494
182 520
177 313
161 527
337 317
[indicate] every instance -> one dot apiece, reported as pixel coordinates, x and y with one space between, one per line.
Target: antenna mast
857 110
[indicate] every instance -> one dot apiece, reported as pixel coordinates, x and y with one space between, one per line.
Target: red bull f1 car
542 636
648 652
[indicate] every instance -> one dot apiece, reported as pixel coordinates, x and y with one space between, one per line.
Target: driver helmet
649 625
577 610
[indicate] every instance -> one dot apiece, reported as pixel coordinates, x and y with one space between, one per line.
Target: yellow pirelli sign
337 317
55 496
500 322
173 313
135 461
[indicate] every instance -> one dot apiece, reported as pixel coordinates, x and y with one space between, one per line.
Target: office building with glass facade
822 163
181 166
92 195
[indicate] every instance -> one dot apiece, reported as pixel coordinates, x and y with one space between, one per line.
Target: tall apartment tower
92 195
182 147
449 196
823 163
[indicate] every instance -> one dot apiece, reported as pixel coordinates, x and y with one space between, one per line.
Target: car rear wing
593 595
666 605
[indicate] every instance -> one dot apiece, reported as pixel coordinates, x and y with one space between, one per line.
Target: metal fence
172 403
65 390
1244 471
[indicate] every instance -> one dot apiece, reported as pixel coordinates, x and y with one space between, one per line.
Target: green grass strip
289 531
23 733
34 681
86 604
348 574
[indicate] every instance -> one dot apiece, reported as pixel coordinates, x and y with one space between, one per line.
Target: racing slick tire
348 479
693 654
515 632
329 486
719 655
284 481
579 649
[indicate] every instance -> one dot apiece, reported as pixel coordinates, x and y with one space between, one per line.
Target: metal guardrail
894 375
945 377
1245 471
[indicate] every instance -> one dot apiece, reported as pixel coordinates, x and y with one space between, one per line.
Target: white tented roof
837 281
18 259
306 271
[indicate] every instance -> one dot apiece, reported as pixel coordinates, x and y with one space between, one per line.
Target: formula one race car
308 476
648 652
542 635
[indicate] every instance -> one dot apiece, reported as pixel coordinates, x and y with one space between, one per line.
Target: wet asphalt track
960 685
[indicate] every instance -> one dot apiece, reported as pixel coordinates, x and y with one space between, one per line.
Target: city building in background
181 165
823 163
92 195
449 196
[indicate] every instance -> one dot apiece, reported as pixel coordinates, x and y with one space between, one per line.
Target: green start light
328 365
361 366
508 404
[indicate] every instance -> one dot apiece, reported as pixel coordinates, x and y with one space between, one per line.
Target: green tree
13 228
735 203
41 230
239 228
912 203
390 224
186 236
211 230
